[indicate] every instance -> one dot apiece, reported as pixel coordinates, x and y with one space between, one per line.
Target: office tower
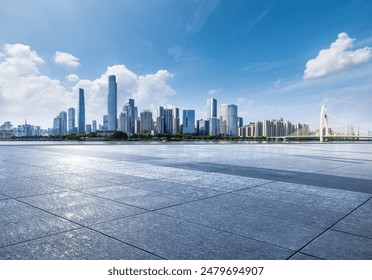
214 126
168 121
123 122
94 126
81 113
131 111
202 127
63 120
188 121
112 104
146 121
88 128
56 126
240 122
71 121
266 128
229 120
137 126
212 108
160 120
176 120
105 123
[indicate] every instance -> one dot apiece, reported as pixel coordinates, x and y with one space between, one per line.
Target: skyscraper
81 113
212 108
112 104
229 120
63 120
160 120
94 126
104 122
188 121
71 121
168 121
176 120
132 113
214 122
146 121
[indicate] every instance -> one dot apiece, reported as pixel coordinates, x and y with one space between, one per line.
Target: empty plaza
185 201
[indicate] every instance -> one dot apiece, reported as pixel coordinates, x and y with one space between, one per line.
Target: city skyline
182 53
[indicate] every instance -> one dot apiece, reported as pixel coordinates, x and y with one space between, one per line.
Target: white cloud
336 58
66 59
213 91
72 78
26 93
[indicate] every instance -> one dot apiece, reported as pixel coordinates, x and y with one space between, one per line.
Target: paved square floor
185 201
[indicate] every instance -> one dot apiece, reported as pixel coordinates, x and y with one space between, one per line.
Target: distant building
71 121
63 125
188 120
229 120
202 127
81 113
105 123
94 126
112 104
212 108
146 121
88 128
176 120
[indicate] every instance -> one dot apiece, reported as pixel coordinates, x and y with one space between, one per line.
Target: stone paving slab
172 238
307 215
275 191
303 257
279 232
20 222
20 187
333 245
79 244
81 208
358 222
136 197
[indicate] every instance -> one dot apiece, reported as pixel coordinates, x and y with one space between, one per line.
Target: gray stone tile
145 199
3 197
79 244
300 256
82 208
175 239
279 191
335 245
20 187
263 228
75 182
20 222
176 189
359 222
307 215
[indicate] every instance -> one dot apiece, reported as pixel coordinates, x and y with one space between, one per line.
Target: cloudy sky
272 58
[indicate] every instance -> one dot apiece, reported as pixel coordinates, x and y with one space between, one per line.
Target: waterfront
185 201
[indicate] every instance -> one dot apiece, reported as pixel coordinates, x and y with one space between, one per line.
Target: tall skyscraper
188 121
112 104
146 121
214 122
71 121
81 113
212 108
105 123
176 120
160 126
132 114
94 126
56 126
123 122
229 120
63 120
168 121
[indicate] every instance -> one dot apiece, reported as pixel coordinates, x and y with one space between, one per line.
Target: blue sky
179 53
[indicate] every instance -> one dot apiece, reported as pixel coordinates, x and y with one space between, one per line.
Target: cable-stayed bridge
330 127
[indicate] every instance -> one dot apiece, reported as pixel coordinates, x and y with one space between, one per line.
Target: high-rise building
214 126
123 122
94 126
168 121
112 104
202 127
146 121
56 126
160 126
212 108
81 113
105 123
71 121
176 120
63 120
88 128
229 120
240 122
132 113
188 122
